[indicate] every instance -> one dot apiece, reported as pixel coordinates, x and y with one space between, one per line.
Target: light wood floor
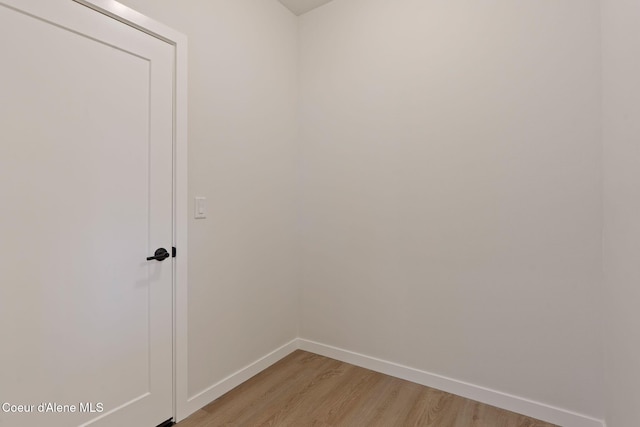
305 389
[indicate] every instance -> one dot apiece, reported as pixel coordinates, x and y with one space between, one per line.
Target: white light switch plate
200 208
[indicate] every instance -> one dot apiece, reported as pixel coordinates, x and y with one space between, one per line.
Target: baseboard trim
210 394
499 399
506 401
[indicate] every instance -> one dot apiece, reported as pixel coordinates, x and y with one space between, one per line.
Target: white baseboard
501 400
210 394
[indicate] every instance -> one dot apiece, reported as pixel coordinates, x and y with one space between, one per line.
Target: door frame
178 40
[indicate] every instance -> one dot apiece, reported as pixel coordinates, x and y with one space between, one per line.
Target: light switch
200 211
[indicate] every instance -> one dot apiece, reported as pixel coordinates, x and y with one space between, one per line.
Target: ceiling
302 6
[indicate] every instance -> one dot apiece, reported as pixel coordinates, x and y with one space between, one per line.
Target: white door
86 143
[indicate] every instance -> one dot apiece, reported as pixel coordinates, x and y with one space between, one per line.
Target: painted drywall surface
621 44
451 212
242 135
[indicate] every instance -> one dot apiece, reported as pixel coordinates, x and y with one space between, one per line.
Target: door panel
86 187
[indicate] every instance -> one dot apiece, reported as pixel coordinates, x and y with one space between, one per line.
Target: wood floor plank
287 401
305 389
288 412
344 398
269 389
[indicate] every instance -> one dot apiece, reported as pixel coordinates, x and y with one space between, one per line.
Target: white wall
451 184
242 136
621 43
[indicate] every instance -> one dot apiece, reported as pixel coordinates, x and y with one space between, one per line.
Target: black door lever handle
160 255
